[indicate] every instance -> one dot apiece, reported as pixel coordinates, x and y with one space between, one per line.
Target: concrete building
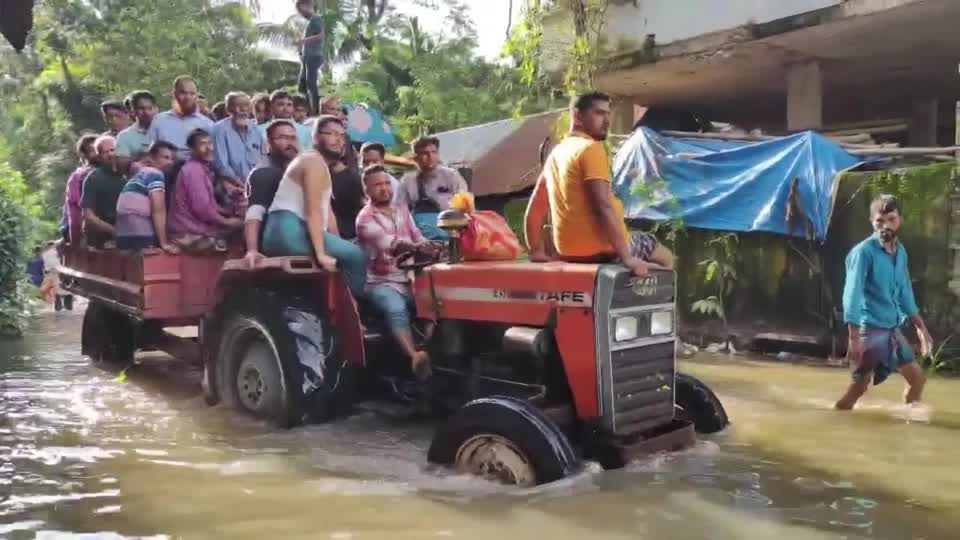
780 65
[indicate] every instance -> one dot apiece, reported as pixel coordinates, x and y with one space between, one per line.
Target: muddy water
81 453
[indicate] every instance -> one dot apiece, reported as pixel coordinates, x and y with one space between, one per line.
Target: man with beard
427 191
281 108
386 232
300 222
348 196
877 301
142 205
133 142
331 105
237 144
115 116
575 188
196 222
100 191
264 180
176 124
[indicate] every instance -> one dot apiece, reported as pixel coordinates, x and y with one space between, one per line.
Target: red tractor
536 366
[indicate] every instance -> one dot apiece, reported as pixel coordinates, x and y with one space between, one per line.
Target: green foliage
427 82
20 230
939 364
916 188
720 272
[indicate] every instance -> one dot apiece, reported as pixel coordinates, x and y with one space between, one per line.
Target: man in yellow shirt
576 189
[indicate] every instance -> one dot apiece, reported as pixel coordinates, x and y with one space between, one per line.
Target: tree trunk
579 11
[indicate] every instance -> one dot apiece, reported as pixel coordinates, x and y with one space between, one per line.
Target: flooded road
81 453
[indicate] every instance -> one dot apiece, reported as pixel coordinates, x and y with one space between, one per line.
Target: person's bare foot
420 364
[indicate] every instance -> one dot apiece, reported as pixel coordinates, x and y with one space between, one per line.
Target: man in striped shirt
141 207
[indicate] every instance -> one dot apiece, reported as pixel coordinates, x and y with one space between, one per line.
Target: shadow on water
81 452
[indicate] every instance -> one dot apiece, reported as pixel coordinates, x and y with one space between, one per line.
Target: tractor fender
697 403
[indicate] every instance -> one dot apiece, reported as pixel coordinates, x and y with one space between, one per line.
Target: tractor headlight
625 329
661 323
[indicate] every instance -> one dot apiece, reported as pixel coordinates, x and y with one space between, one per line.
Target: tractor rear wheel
275 359
505 440
107 335
695 402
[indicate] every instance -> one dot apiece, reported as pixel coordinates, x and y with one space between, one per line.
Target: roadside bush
21 228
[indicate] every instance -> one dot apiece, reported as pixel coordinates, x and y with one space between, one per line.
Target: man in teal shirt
877 300
133 142
281 108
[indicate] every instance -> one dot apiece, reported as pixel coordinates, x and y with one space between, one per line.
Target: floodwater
85 456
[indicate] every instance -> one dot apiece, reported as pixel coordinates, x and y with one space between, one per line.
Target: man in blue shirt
237 143
877 300
281 108
176 124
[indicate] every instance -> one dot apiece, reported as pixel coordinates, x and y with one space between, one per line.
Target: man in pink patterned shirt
71 223
386 232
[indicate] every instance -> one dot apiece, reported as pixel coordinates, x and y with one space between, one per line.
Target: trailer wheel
275 360
695 402
505 440
107 335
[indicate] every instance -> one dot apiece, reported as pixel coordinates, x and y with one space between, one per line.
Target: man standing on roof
575 188
877 300
428 190
175 125
311 54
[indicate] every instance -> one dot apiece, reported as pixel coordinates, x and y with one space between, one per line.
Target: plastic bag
488 238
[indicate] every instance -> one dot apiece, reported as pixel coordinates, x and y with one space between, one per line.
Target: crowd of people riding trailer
318 281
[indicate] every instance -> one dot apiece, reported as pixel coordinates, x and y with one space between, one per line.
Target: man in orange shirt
576 189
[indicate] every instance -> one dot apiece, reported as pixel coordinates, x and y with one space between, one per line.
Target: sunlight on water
85 456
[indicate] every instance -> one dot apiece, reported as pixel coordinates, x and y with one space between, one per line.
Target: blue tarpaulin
728 185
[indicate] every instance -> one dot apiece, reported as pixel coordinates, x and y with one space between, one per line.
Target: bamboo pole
910 151
892 128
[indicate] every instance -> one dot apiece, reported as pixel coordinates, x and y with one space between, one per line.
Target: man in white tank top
301 222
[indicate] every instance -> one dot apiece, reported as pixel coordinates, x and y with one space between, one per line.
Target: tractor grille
635 377
642 387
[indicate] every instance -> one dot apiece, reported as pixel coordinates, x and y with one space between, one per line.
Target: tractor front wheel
504 440
696 403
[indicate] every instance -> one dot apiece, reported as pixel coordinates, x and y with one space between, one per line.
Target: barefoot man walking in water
877 300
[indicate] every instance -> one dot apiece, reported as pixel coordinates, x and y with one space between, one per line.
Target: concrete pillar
804 96
622 115
923 123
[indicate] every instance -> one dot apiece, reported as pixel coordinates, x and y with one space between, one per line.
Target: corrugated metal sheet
16 21
503 155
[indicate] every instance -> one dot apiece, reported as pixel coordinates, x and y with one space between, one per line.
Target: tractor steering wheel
414 260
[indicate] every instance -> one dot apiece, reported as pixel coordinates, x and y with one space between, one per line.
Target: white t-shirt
51 261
